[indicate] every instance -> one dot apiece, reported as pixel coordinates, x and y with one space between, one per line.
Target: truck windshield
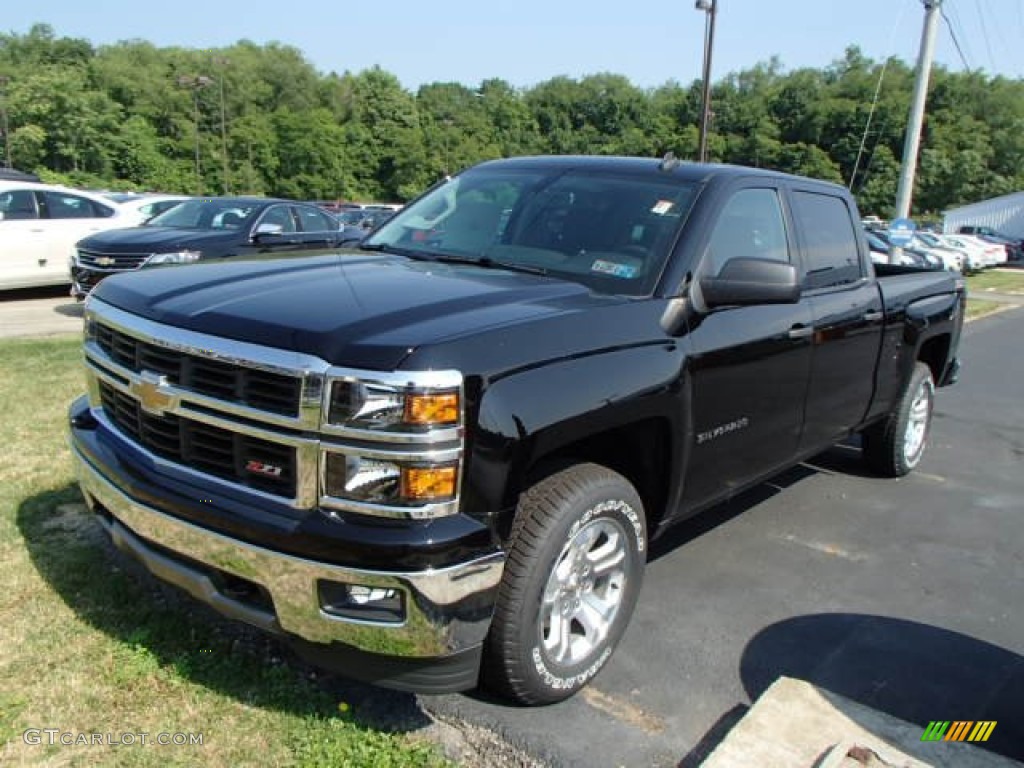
610 232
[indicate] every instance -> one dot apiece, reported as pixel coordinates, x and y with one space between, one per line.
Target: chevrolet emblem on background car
105 261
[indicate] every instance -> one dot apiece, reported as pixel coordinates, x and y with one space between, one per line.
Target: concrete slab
795 725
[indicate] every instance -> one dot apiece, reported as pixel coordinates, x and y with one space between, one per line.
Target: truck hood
156 239
348 308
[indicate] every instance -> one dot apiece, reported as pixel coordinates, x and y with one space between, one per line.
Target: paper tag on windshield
611 268
662 207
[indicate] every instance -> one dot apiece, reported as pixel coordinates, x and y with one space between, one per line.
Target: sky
528 41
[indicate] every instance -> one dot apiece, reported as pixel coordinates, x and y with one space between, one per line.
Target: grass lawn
1001 282
92 645
980 307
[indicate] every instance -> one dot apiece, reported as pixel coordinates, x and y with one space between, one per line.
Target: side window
750 226
831 257
18 204
60 205
280 215
313 220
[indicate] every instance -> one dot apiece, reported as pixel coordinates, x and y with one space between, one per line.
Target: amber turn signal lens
432 409
427 483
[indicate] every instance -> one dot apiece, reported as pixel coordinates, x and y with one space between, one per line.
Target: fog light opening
362 602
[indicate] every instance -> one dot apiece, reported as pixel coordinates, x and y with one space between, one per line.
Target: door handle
801 331
872 316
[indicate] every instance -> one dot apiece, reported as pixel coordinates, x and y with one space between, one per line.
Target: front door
749 366
22 241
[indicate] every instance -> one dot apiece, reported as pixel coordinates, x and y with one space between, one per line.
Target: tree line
260 119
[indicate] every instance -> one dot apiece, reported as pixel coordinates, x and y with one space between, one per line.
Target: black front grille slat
204 447
263 390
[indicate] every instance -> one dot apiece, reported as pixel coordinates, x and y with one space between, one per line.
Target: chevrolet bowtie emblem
150 391
105 261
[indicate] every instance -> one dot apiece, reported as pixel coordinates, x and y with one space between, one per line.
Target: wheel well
639 452
934 353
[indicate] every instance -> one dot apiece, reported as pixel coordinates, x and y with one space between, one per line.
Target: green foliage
264 121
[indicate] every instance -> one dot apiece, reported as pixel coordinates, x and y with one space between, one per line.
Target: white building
1004 214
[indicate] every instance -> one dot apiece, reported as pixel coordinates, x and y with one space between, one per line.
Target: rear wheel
571 581
894 447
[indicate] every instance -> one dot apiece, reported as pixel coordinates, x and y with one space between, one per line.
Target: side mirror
743 282
266 230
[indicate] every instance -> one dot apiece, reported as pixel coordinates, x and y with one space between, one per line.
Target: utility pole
223 64
4 80
195 82
710 7
912 143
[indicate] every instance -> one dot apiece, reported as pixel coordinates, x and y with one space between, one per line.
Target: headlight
379 406
389 483
175 257
394 446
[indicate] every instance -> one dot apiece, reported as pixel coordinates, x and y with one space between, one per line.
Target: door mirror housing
744 282
267 231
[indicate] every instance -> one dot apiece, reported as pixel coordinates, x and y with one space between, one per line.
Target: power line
874 102
956 41
958 24
984 34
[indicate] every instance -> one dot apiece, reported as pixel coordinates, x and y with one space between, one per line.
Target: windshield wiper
385 248
449 258
488 263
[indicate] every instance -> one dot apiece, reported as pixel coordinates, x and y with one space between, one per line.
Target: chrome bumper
447 610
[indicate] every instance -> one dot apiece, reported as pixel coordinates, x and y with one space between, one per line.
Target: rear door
318 229
846 308
749 366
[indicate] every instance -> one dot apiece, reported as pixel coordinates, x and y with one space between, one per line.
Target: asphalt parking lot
904 595
39 312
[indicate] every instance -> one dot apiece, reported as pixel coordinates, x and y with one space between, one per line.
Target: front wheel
895 446
571 581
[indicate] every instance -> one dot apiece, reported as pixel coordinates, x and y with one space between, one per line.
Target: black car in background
202 229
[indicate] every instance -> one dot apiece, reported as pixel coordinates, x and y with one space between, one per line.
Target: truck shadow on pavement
915 672
120 598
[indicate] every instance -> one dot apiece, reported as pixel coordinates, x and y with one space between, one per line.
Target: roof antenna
669 162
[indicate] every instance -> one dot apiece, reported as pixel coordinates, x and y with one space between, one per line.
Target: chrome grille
252 387
113 262
220 452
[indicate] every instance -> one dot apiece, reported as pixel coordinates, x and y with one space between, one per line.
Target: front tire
572 577
894 447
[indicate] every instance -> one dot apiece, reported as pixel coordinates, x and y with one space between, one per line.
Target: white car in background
977 254
994 253
952 258
39 226
145 205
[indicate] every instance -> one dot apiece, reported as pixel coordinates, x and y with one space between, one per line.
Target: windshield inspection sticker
662 207
611 268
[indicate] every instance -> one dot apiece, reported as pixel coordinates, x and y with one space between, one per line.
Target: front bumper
447 611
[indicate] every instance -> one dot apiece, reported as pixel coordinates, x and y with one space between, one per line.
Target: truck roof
682 169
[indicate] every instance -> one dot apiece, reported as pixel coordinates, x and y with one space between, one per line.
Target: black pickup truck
438 460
